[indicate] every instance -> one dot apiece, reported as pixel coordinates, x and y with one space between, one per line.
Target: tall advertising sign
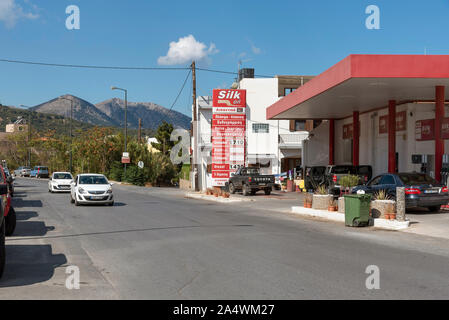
228 134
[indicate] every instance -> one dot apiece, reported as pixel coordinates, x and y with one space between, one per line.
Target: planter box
380 207
322 202
291 186
341 205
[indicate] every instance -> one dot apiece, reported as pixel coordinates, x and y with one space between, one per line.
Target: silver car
91 189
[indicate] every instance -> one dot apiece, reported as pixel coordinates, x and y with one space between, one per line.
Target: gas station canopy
364 83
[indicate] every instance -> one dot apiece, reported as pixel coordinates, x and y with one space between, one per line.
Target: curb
393 225
200 196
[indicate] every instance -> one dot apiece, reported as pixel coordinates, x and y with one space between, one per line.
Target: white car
60 182
91 189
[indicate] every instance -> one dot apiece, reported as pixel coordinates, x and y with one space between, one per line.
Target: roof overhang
362 83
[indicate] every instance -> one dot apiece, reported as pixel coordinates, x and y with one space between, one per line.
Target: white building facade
275 146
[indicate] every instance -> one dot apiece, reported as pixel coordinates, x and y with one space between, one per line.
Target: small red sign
425 130
126 160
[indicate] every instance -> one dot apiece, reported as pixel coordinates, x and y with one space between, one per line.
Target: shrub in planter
382 206
348 182
321 199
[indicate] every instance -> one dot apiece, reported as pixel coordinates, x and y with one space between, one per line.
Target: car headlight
109 191
81 190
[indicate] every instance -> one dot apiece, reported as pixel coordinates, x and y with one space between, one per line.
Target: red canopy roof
362 83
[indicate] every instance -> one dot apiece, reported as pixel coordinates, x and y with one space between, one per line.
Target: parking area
422 222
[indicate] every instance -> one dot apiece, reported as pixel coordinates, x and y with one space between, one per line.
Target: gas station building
387 111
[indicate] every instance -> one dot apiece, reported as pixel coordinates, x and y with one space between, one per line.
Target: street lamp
126 116
29 135
71 119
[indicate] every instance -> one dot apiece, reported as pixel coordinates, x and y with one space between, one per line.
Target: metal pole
29 141
126 123
71 136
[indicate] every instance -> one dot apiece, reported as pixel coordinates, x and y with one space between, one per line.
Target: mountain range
112 112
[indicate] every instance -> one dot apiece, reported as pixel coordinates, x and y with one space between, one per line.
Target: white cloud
255 50
11 12
187 49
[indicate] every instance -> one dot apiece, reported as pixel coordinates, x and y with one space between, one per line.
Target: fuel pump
424 164
445 170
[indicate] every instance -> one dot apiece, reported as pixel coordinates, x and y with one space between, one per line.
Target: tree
163 134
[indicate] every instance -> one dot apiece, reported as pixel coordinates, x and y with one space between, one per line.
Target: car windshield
343 170
93 180
252 171
417 179
62 176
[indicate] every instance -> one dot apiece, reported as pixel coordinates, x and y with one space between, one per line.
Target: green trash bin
357 208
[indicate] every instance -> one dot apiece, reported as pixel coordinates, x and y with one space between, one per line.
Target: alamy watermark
73 21
73 279
372 22
373 280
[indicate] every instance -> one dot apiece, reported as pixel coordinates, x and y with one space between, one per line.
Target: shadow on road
26 215
20 203
30 264
31 229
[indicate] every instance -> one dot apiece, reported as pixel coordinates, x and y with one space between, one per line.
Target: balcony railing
292 140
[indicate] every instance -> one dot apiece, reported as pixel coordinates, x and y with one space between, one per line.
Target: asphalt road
156 244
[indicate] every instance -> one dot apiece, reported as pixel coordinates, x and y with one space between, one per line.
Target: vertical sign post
228 134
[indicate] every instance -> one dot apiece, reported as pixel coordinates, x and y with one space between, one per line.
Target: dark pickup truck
249 180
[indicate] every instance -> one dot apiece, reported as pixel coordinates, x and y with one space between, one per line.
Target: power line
62 65
90 66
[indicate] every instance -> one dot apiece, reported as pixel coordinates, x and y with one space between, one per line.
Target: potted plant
308 198
348 182
383 206
226 195
333 206
321 198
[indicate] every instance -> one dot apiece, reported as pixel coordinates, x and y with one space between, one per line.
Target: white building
273 145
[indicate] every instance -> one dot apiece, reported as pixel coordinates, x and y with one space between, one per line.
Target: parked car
39 172
8 211
421 190
22 172
3 190
91 189
10 181
330 176
249 180
60 182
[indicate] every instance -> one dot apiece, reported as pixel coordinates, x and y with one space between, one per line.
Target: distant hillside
40 122
82 110
151 114
112 112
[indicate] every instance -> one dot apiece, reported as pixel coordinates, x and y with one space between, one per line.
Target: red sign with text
228 134
425 130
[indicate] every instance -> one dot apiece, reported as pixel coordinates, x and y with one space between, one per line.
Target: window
375 181
388 179
287 91
261 128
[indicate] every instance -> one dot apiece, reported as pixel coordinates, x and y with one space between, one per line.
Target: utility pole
194 165
71 136
29 140
139 132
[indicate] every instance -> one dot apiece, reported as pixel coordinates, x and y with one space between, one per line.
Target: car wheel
246 190
2 249
10 222
76 202
231 188
111 204
253 192
434 208
267 192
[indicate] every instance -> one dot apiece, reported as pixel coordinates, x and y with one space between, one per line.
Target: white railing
292 139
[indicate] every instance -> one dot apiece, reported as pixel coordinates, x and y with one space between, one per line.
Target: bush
135 175
349 181
116 171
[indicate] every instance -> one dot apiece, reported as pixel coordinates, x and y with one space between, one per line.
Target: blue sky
274 37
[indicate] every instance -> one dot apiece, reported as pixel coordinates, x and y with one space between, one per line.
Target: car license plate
431 191
96 198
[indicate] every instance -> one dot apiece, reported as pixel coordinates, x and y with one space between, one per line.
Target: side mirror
3 189
111 184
